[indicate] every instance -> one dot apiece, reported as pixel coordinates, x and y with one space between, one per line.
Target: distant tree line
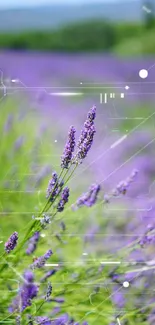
84 36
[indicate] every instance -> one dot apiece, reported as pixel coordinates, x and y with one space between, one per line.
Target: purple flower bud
40 261
32 244
89 199
52 189
27 292
49 291
69 149
45 220
48 254
86 138
47 275
11 243
62 320
64 199
43 320
122 187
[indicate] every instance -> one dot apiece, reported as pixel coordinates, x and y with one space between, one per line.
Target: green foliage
87 294
86 36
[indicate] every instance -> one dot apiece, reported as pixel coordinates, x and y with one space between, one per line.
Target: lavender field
83 254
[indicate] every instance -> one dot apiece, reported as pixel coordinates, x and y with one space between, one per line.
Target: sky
23 3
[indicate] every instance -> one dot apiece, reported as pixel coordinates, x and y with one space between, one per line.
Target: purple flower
43 320
47 275
52 189
69 149
123 185
88 199
86 138
49 291
62 320
11 243
27 292
45 220
40 261
64 199
32 244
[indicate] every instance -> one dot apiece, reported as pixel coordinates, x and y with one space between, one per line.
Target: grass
19 199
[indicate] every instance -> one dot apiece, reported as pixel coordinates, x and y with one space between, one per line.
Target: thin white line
65 94
110 262
105 98
101 98
134 155
51 264
118 141
142 269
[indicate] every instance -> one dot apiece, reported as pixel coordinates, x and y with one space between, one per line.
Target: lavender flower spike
11 243
47 275
52 186
27 292
41 320
40 261
49 291
86 138
88 199
69 149
64 199
33 243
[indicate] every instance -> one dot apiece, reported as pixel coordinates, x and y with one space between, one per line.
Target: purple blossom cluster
61 320
148 238
46 220
86 138
122 187
63 200
32 244
48 275
11 243
27 292
69 149
40 261
49 291
54 187
88 199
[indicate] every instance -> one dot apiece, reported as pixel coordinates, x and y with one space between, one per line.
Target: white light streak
115 144
109 262
66 94
51 264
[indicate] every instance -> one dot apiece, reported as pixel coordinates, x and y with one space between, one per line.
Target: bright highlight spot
126 284
143 73
126 87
